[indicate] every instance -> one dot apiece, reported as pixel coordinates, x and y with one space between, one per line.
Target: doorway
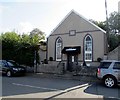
71 61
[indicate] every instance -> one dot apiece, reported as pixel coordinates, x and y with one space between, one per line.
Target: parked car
109 72
10 68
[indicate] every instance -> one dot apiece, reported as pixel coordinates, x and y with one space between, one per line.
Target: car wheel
109 81
9 73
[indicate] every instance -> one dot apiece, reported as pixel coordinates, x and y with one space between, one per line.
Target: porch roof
72 50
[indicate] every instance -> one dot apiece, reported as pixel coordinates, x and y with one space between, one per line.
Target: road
39 87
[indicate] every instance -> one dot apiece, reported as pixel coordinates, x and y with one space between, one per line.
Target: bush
20 48
45 61
99 59
51 58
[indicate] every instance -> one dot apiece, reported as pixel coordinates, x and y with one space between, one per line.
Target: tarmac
84 78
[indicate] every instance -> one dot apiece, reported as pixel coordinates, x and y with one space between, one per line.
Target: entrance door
69 62
71 59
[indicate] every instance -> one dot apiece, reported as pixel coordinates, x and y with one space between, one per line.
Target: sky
23 16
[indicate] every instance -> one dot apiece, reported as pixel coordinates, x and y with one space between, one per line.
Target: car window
116 65
12 63
105 64
0 64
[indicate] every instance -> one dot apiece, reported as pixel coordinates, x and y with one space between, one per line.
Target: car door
105 68
117 70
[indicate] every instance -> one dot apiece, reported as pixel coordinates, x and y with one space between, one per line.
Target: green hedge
20 48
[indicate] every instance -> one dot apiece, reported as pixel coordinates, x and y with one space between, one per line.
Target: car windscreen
12 63
1 64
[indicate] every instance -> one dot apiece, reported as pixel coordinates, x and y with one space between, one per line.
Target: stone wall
88 71
52 67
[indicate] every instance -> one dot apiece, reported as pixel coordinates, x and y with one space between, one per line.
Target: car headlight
16 69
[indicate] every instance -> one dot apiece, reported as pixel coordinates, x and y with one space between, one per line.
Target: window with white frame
88 48
58 49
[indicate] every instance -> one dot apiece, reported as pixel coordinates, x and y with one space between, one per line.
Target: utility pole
107 26
35 62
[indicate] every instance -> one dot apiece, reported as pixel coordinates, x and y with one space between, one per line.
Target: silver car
109 72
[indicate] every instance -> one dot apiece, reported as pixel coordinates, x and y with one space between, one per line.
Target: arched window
58 49
88 48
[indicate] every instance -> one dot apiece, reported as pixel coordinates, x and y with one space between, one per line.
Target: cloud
25 27
2 8
3 30
24 0
22 27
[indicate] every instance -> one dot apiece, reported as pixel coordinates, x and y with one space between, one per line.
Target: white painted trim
58 59
86 52
56 49
88 60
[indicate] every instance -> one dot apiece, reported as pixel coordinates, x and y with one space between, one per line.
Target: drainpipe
35 62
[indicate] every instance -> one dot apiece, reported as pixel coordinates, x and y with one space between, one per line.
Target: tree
21 48
114 23
36 36
113 29
101 24
114 41
10 42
